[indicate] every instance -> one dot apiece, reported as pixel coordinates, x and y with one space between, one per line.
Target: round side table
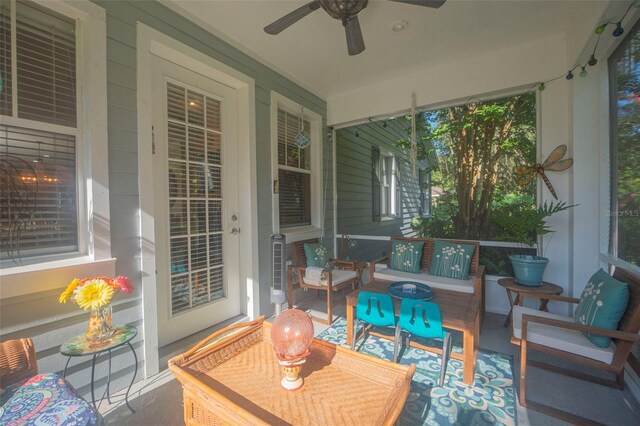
511 286
79 346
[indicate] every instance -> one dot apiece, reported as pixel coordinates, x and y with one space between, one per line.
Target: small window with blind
424 182
389 187
294 172
38 134
297 174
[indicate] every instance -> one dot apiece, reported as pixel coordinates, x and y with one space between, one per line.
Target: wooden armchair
561 337
342 276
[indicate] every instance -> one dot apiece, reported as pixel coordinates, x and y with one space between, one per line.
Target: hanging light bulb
592 61
541 87
619 30
357 134
583 72
384 124
569 75
600 28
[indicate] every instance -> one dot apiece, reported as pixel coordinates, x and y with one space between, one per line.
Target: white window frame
315 122
92 171
388 205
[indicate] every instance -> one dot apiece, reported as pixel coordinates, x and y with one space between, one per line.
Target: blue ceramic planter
528 269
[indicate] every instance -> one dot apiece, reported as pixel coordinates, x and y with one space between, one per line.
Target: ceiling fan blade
291 18
428 3
355 42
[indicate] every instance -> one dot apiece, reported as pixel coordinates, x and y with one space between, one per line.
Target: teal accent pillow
602 304
406 256
317 255
451 260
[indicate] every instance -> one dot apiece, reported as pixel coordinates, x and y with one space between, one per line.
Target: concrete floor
158 401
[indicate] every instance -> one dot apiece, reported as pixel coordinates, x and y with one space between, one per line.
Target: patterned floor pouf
45 399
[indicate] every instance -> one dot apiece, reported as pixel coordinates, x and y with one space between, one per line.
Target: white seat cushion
571 341
338 276
443 283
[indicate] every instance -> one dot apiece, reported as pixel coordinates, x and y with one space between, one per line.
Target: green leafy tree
477 147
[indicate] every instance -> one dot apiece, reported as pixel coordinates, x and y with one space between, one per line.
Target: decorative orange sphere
291 334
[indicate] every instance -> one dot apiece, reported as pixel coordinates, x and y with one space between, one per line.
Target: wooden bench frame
476 270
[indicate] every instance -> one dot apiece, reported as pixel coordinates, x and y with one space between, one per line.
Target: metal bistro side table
79 346
511 285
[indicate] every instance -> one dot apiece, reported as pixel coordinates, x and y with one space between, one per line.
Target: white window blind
6 74
294 172
38 206
38 184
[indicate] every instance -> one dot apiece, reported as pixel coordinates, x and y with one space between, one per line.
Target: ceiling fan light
343 9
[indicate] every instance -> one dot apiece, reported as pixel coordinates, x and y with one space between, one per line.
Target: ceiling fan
344 10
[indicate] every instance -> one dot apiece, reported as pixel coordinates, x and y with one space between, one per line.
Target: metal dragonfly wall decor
554 162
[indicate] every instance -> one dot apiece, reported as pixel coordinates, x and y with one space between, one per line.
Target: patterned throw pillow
317 255
451 260
602 304
406 256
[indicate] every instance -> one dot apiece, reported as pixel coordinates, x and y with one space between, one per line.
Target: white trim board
152 42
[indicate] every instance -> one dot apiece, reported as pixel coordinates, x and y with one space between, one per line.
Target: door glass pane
195 197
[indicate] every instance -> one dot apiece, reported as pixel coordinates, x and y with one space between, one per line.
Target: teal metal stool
423 319
375 309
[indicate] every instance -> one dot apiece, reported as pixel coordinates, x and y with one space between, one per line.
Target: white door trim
152 42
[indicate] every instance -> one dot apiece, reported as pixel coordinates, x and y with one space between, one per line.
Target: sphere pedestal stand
291 369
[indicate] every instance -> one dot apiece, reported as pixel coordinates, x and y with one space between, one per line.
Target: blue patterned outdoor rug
491 401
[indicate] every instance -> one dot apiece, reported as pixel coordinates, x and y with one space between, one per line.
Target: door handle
235 231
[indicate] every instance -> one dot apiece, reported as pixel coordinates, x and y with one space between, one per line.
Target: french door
195 126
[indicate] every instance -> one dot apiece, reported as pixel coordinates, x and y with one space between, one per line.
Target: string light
599 30
619 30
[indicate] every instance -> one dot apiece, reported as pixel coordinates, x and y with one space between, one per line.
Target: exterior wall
354 187
39 316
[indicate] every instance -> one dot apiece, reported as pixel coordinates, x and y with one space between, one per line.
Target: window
294 172
44 213
389 188
297 172
624 77
424 183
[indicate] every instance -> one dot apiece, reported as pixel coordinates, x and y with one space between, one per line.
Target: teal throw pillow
451 259
317 255
406 256
602 304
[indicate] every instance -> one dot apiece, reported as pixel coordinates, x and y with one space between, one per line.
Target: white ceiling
313 51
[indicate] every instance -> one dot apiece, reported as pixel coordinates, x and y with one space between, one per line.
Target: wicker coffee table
460 311
236 381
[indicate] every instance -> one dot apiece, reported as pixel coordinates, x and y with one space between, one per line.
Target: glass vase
100 323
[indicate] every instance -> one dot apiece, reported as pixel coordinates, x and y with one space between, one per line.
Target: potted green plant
523 224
